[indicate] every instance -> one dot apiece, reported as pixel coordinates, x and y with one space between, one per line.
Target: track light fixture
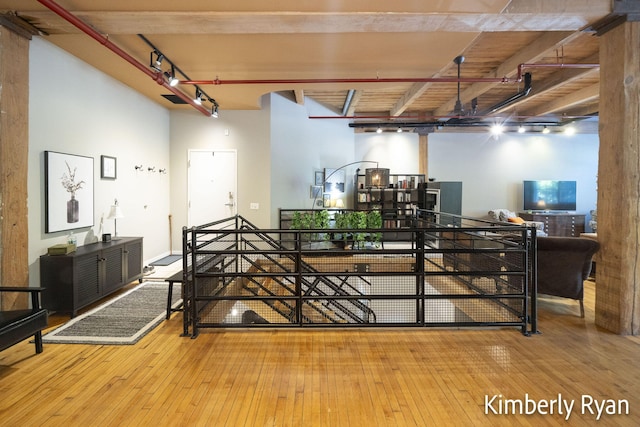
545 130
521 129
214 108
156 60
156 63
173 80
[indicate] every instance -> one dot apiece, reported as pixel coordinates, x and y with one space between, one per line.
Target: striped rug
120 321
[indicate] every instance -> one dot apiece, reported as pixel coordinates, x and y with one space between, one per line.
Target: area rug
120 321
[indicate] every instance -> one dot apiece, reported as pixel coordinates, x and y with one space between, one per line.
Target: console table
557 224
92 272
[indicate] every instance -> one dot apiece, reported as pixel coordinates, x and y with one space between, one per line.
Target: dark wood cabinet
558 224
93 271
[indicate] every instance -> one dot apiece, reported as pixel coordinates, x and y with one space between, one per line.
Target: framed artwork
319 178
334 180
68 197
108 168
316 191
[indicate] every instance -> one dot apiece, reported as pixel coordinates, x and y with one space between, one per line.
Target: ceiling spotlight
570 130
521 129
198 98
399 130
496 129
157 63
173 80
379 130
545 130
214 109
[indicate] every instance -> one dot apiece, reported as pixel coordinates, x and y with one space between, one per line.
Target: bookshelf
396 203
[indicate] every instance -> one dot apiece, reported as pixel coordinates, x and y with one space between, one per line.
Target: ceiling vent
175 99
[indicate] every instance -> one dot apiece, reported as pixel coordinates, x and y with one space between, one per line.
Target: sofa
564 263
505 215
17 325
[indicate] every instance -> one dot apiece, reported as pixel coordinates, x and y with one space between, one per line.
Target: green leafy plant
374 220
316 220
358 220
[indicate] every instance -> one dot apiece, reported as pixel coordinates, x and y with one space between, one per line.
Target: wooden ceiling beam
548 18
578 97
355 99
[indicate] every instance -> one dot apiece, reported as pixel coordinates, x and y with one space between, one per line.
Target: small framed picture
316 191
319 178
108 169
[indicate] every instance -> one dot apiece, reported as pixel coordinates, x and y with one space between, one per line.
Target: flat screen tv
549 195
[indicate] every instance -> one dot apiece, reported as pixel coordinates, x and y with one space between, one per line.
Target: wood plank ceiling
351 49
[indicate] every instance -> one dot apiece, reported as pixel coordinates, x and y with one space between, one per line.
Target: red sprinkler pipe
157 76
517 79
357 81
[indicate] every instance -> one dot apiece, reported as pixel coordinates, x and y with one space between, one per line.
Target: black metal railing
476 273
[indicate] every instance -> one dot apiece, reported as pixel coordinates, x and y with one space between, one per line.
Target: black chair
564 263
20 324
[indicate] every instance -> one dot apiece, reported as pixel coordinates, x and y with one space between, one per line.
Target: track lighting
173 80
157 58
379 130
496 129
545 130
521 129
399 130
157 63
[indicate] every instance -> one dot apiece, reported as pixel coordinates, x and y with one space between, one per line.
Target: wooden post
618 275
423 154
14 148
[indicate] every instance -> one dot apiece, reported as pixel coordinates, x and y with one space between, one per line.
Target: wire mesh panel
471 275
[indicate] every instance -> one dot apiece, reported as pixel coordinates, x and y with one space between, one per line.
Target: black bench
176 278
210 264
18 325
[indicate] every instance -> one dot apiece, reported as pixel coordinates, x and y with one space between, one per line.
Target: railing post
185 282
533 286
299 277
419 266
193 284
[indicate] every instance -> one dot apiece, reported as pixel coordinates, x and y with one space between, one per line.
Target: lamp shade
115 212
376 177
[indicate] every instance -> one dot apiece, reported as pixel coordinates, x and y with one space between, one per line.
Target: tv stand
557 223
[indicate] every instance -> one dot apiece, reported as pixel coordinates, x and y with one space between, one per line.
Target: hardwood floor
364 377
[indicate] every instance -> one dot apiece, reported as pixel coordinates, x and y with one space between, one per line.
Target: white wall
396 151
247 132
492 170
299 147
76 109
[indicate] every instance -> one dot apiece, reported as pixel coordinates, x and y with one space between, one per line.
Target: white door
212 185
